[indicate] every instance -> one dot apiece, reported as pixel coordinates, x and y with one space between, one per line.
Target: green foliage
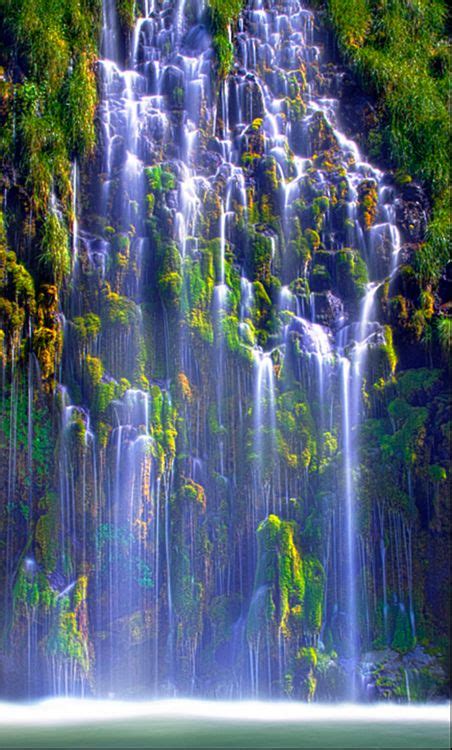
223 13
418 381
55 43
126 12
80 120
160 180
444 333
225 54
433 254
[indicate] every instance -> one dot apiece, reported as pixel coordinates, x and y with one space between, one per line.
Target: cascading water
221 326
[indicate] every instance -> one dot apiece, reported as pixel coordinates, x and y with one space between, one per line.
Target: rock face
223 440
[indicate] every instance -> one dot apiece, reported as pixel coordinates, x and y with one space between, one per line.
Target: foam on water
78 711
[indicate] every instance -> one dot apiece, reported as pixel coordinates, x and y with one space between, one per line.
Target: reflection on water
66 723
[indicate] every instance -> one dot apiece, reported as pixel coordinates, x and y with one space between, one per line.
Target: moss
20 282
320 279
126 12
351 274
230 329
55 248
185 387
390 350
47 336
223 612
313 239
201 324
87 326
307 658
80 591
31 591
403 640
118 309
296 434
169 274
17 298
314 595
45 538
367 202
104 394
80 120
409 431
159 179
279 584
444 334
418 382
261 256
103 430
320 206
66 640
95 370
225 54
305 664
194 493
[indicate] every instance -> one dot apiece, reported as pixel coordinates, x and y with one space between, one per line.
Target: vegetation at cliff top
399 49
54 49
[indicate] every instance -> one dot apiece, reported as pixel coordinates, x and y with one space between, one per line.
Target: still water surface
67 723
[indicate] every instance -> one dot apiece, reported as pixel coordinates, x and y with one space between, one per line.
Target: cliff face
225 338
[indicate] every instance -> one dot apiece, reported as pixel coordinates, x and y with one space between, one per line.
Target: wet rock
198 39
173 86
416 675
329 309
411 206
251 99
321 134
445 289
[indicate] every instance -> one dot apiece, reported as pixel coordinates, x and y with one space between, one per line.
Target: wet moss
351 274
46 527
367 202
67 640
279 586
55 248
118 309
87 326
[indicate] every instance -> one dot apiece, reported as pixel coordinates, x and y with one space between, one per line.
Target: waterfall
230 247
166 97
350 523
